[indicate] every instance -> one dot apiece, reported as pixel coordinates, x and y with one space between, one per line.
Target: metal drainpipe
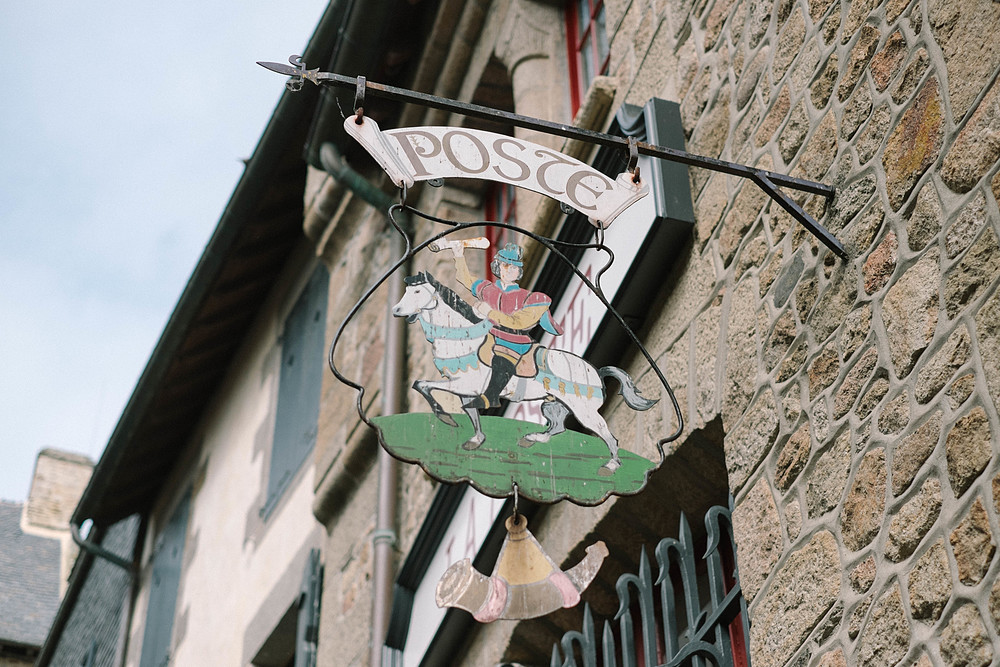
97 551
384 538
100 552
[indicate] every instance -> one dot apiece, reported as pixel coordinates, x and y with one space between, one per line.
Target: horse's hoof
446 418
530 439
470 445
609 468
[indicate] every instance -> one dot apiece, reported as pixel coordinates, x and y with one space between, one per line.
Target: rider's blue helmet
510 254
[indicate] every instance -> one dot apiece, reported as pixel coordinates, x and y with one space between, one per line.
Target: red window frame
587 43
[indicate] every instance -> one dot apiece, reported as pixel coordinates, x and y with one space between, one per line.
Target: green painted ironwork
565 467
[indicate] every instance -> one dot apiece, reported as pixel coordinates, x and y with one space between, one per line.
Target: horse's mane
448 295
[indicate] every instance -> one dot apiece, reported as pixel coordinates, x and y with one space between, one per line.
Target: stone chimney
59 480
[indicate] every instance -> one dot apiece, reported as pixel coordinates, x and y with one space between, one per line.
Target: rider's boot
503 371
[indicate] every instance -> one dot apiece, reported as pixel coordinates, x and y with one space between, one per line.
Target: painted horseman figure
513 311
485 352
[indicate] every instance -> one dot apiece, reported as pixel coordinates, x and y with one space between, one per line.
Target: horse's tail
633 398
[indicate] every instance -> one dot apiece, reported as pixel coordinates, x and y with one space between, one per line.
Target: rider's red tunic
511 301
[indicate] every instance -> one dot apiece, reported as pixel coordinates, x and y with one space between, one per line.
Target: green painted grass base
566 467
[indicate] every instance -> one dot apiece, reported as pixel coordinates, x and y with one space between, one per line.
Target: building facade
849 406
841 411
197 542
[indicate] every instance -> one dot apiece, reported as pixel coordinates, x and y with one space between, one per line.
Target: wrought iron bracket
769 181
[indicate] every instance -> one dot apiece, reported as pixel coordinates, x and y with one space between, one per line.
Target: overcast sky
123 126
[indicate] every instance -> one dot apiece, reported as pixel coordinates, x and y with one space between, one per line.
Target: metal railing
703 617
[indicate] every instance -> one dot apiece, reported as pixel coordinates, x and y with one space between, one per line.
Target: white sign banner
414 154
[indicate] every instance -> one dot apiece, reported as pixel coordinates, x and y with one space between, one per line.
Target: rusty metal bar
769 181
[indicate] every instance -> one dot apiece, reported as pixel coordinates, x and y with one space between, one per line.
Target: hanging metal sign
769 181
416 154
485 353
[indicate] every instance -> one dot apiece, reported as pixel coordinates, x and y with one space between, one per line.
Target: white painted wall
228 575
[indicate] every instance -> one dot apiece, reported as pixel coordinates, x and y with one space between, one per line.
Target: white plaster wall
229 569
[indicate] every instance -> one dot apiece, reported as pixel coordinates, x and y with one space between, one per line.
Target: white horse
564 382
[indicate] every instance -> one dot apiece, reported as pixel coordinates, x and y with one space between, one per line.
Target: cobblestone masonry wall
858 397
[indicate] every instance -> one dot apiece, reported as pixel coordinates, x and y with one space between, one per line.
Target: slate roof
29 580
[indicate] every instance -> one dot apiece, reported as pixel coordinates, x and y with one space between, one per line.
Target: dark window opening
292 642
278 649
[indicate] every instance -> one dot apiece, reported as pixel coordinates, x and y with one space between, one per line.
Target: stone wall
858 397
14 662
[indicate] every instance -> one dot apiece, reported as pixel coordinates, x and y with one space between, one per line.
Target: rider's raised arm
462 272
522 319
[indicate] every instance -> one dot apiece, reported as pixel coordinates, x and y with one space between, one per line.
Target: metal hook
402 194
359 99
633 159
516 513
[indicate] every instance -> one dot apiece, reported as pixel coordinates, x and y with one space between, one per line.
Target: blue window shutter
307 626
299 384
166 577
90 659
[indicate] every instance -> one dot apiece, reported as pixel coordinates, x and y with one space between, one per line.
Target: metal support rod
767 184
768 181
